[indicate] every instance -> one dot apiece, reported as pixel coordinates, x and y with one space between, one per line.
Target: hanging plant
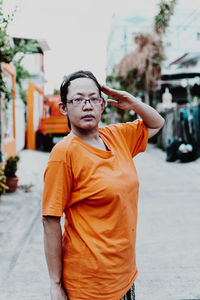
21 75
8 51
162 19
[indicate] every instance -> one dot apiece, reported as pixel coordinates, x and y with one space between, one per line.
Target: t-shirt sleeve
57 188
134 134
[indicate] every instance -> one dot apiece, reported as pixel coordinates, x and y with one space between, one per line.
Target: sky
76 31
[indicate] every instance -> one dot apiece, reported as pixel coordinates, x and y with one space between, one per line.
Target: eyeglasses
82 101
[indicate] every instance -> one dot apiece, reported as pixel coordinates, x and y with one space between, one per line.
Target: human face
85 116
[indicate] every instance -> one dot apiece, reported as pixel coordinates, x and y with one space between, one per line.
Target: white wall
38 110
182 35
33 63
20 123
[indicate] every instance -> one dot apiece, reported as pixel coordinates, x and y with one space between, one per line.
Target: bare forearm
148 114
53 247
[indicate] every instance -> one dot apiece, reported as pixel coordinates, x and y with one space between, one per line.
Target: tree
140 70
145 62
56 92
9 52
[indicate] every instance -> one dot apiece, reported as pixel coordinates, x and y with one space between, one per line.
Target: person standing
91 178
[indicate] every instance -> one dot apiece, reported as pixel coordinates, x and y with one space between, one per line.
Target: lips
88 117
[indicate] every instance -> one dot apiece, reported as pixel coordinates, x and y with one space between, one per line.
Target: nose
87 105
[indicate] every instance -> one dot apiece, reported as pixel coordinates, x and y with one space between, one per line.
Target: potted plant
3 186
10 173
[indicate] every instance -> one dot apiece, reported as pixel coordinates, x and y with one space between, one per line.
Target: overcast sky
76 31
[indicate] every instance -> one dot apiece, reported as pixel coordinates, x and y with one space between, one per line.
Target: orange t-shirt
98 192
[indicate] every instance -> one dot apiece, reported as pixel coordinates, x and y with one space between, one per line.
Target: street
168 238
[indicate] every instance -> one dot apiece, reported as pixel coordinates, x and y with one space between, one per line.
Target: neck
85 135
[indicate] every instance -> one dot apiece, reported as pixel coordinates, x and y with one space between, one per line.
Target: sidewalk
168 239
23 274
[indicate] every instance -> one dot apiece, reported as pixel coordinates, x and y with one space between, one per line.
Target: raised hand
120 99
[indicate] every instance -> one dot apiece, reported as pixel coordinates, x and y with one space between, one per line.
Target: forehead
83 86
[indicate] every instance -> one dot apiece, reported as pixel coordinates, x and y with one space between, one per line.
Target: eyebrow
81 94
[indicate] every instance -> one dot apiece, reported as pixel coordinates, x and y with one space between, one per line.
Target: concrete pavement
168 238
23 272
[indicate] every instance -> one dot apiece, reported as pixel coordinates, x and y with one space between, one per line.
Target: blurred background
148 48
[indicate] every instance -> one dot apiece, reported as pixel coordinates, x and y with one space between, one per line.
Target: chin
89 126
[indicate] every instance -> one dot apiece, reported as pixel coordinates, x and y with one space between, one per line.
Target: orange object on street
46 125
53 124
31 111
53 121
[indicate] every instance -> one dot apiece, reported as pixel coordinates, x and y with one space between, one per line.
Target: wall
20 123
8 113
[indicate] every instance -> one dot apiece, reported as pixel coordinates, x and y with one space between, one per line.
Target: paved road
168 245
168 239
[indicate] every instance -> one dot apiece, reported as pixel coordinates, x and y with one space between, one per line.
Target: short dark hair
79 74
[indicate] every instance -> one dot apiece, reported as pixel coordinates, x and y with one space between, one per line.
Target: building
181 43
15 113
182 77
183 34
34 64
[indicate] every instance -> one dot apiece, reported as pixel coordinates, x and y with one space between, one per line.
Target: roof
186 58
185 66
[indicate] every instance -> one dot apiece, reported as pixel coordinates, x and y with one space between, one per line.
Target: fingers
113 102
106 88
110 92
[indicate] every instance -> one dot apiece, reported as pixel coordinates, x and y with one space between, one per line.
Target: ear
63 108
103 105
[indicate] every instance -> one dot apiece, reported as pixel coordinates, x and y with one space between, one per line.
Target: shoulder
122 127
62 150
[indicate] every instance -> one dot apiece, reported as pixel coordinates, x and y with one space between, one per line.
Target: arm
53 253
126 101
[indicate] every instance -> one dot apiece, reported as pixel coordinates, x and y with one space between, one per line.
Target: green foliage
149 54
6 49
119 83
56 92
21 74
140 70
11 166
8 53
4 89
3 186
162 19
130 83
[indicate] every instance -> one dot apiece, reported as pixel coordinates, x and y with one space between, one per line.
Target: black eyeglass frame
83 101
